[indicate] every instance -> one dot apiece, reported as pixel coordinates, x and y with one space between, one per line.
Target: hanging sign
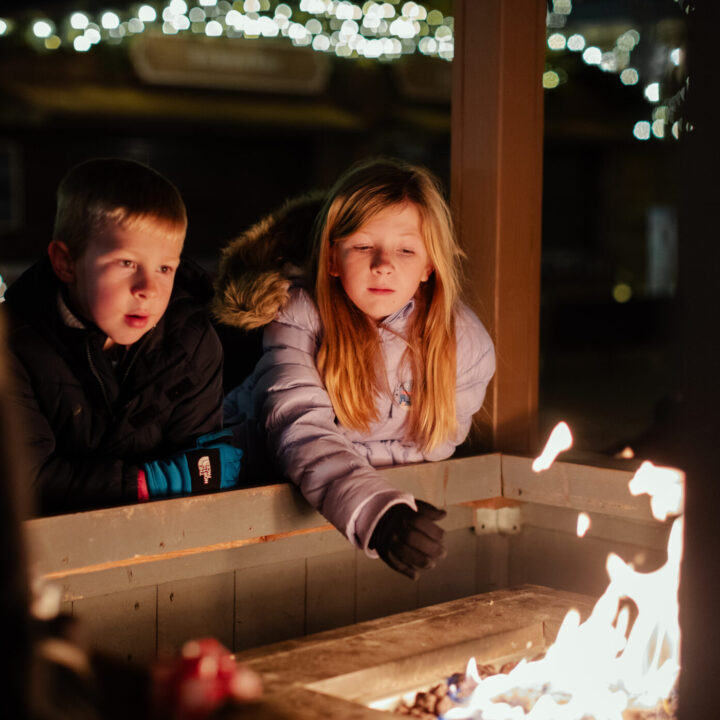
230 63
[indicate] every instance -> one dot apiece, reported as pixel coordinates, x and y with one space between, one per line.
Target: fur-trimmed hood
257 268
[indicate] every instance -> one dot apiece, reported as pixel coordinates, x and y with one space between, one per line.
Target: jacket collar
399 316
66 314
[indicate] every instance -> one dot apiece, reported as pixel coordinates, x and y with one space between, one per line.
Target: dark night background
612 369
609 368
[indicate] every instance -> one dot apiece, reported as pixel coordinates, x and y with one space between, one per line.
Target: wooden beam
132 535
496 195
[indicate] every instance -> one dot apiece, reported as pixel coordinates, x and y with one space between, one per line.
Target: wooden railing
258 565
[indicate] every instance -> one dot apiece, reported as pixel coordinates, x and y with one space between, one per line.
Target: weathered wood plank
454 576
151 531
199 607
650 534
132 535
269 603
387 639
450 482
492 556
122 624
581 487
566 562
382 591
330 592
119 579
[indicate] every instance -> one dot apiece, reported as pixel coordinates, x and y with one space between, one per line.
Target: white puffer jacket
334 467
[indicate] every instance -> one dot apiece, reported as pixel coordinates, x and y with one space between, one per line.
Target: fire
560 439
583 524
607 665
665 487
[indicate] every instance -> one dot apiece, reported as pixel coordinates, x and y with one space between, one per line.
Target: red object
143 493
194 685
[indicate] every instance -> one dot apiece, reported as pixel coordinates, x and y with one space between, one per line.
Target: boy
117 368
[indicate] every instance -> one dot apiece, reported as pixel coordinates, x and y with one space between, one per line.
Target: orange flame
583 524
560 439
602 667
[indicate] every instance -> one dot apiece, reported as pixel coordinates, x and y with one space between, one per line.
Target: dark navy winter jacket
88 426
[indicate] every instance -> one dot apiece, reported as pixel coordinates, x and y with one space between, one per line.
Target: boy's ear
61 261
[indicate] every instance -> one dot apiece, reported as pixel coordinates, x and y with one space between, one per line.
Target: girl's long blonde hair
349 357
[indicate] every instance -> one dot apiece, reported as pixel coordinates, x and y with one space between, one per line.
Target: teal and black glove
213 464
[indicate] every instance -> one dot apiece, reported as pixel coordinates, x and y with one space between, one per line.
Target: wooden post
699 309
496 195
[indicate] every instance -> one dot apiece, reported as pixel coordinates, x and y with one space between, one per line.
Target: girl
370 358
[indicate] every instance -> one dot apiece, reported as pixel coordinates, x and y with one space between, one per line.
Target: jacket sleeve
475 369
294 406
63 484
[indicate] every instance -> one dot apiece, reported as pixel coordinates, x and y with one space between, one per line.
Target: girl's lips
381 291
136 321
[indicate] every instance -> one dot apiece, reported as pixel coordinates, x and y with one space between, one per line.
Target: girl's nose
381 262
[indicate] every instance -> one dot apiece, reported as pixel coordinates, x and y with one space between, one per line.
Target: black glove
409 541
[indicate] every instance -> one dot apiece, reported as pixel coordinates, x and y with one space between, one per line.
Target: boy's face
123 280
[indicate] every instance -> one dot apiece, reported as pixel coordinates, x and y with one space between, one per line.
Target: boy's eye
166 269
127 263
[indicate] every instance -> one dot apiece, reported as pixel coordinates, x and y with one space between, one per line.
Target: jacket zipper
125 374
136 352
97 375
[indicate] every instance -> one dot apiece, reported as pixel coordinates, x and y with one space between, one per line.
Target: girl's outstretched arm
295 409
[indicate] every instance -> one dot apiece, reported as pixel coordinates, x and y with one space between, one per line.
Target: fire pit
618 659
361 670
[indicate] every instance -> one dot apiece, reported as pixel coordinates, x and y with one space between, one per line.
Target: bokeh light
557 41
629 76
622 292
576 42
550 79
42 28
652 92
592 55
642 130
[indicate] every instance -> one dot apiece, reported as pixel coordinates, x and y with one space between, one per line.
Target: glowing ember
583 524
627 453
560 439
605 666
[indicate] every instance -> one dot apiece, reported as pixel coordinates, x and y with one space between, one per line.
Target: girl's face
382 264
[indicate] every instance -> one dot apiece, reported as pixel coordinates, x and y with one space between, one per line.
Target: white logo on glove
205 469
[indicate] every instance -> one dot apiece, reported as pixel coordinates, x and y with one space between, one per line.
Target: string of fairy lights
376 30
615 60
383 31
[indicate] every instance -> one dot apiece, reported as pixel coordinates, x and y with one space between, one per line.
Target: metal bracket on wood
503 521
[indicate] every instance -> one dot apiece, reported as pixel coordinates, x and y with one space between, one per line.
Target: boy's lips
136 320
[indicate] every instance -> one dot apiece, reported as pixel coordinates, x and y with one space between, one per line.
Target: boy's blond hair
114 190
349 356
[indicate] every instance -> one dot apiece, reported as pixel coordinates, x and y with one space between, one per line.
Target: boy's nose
145 285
